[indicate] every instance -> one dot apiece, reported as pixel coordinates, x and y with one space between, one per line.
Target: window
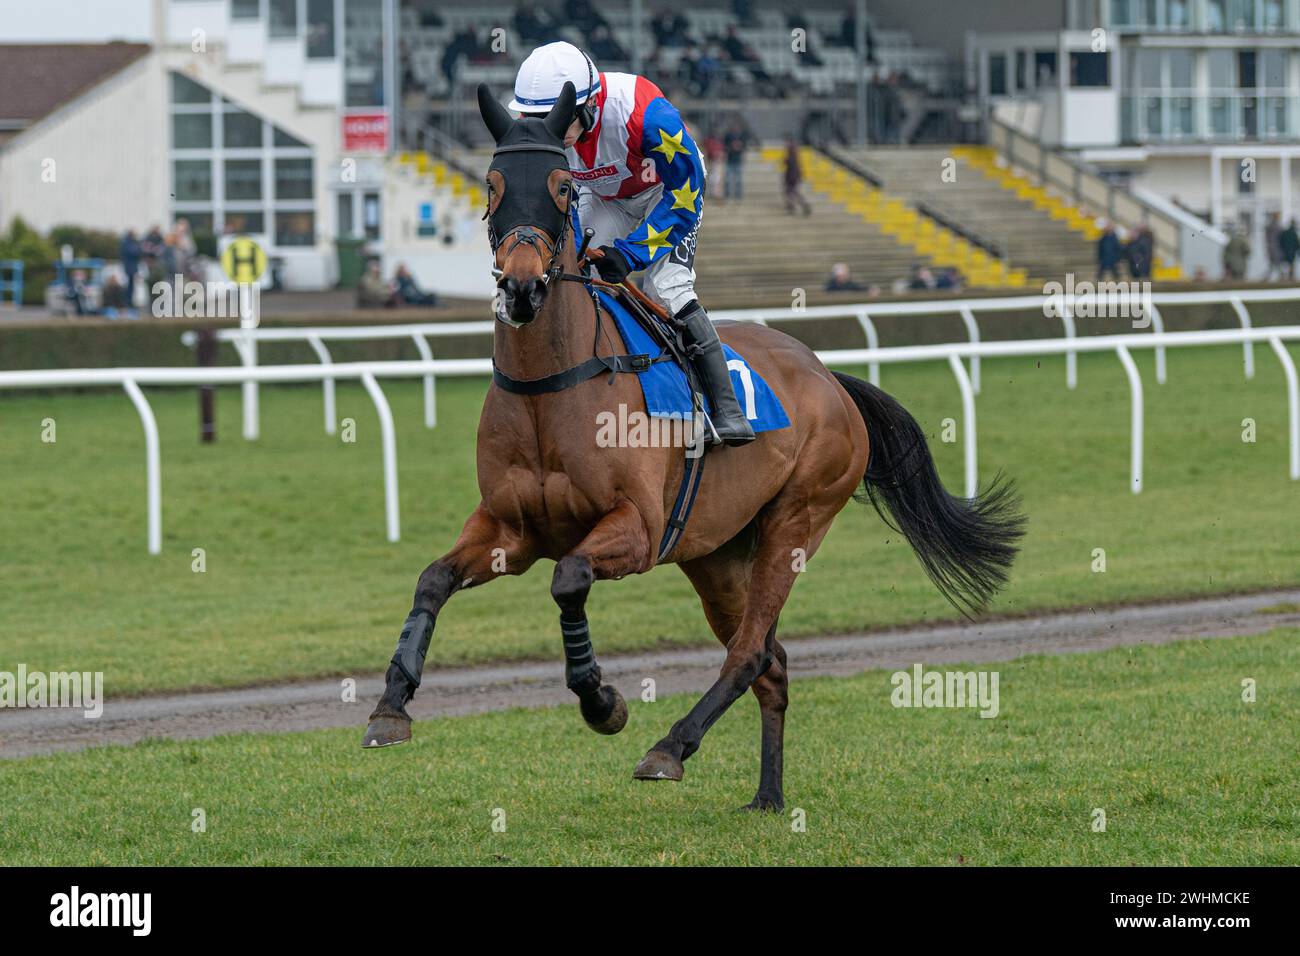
245 9
1045 68
295 229
1220 68
1089 69
281 138
320 29
293 179
345 224
245 222
1180 69
284 18
363 55
998 74
243 178
185 90
241 130
1273 69
234 171
193 179
370 205
192 131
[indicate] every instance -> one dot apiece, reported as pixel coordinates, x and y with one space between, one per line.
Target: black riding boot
711 365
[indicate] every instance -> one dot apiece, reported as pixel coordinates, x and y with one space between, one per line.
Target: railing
11 282
1085 188
1060 309
368 372
924 202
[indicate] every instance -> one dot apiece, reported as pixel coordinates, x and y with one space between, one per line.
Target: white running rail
1057 308
368 374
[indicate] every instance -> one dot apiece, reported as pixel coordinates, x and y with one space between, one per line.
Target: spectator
670 29
1235 255
129 252
1273 246
462 44
717 176
408 292
373 292
735 143
950 279
840 280
1139 253
76 292
151 246
922 278
582 13
848 37
1290 243
792 179
1109 252
533 24
115 301
603 47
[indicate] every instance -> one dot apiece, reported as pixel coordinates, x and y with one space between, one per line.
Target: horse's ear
495 115
561 114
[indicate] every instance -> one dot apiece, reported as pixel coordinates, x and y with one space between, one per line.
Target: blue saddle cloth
664 384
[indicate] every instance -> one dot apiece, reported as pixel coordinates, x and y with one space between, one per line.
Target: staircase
1058 237
923 238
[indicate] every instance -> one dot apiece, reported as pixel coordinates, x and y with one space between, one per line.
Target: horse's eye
564 189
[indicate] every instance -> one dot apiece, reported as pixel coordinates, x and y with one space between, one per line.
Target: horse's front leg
486 549
617 546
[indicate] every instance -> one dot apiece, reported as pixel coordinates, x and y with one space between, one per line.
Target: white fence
250 375
246 341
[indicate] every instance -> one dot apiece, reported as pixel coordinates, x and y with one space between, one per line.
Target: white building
268 118
1196 101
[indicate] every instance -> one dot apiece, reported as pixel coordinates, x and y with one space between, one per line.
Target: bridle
529 235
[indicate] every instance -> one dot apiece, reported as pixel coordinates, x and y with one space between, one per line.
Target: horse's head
529 192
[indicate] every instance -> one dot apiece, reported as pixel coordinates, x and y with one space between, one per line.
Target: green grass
300 581
1157 737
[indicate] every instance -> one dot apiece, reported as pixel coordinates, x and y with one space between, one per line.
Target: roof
37 78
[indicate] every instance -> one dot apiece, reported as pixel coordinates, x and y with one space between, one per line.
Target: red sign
365 132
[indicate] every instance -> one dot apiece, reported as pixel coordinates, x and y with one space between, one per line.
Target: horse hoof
762 804
657 765
386 731
605 712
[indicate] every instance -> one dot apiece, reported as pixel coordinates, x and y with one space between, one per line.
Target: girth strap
558 382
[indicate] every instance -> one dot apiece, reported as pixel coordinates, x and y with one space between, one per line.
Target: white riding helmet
544 73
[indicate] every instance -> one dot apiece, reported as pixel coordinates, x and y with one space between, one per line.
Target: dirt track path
310 706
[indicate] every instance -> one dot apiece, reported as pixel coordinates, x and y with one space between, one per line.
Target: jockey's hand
611 265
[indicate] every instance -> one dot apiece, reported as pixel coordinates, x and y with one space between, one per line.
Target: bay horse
551 491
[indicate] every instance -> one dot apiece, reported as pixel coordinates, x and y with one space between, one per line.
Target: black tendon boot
711 365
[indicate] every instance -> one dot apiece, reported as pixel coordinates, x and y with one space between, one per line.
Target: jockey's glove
612 265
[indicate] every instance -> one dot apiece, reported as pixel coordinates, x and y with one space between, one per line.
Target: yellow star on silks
670 146
654 241
685 198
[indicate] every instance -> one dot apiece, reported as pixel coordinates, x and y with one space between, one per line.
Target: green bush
38 255
86 243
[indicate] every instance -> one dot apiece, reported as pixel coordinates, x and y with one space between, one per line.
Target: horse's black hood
528 150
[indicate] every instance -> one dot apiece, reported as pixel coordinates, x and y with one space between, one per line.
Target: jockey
641 188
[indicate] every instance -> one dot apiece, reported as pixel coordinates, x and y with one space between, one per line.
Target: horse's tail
966 545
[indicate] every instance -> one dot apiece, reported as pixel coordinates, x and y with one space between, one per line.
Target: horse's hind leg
785 528
722 582
486 549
